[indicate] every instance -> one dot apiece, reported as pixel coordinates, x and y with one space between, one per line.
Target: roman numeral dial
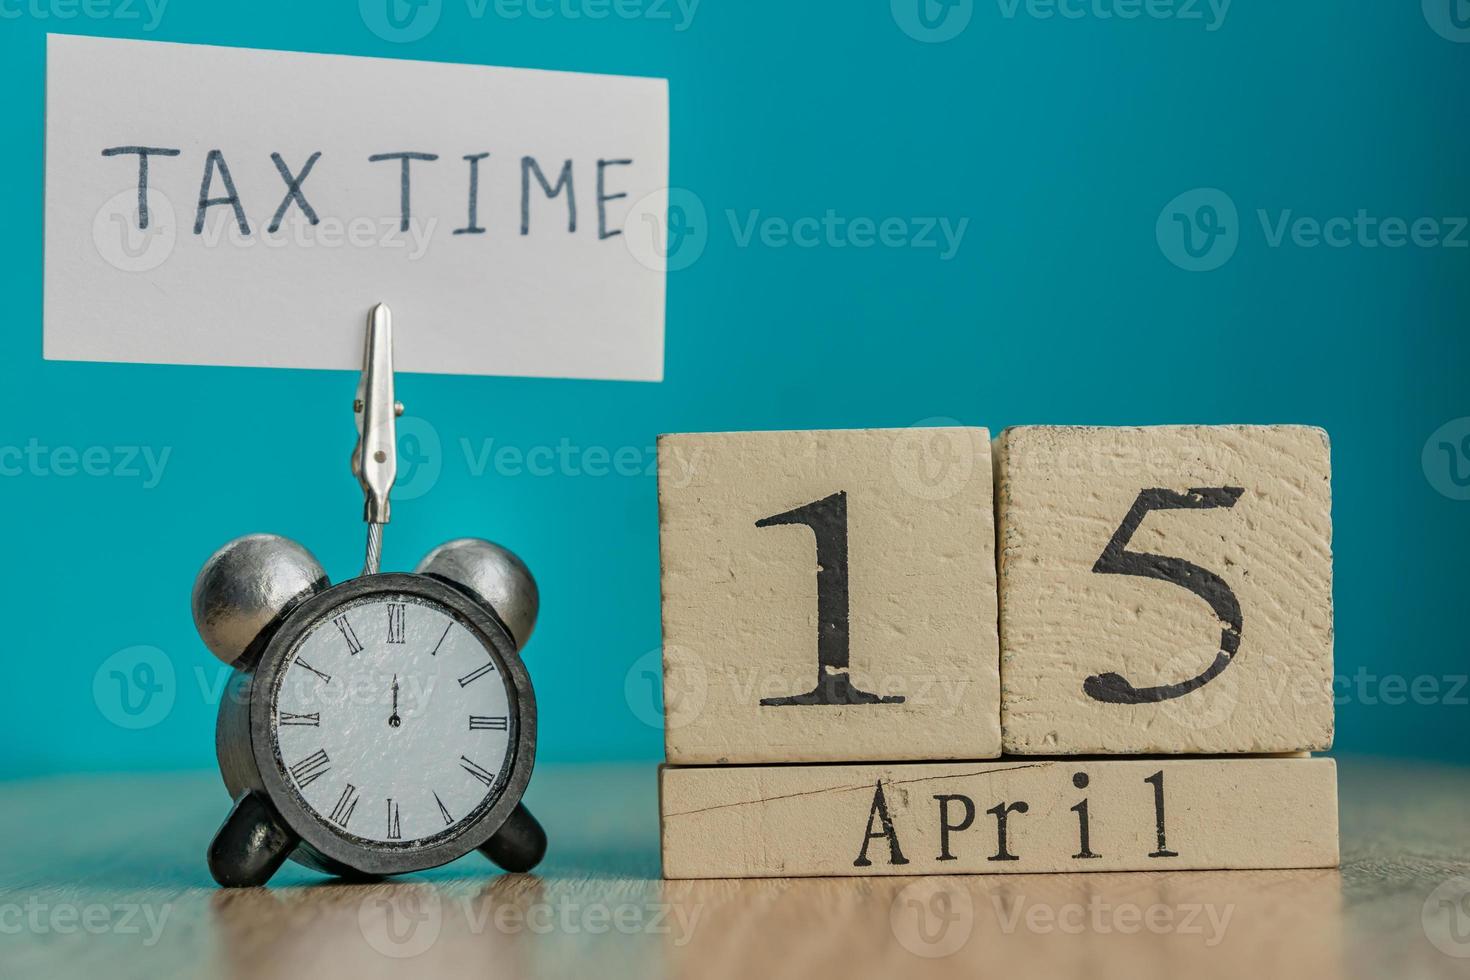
395 826
349 635
477 771
311 768
476 674
392 719
346 806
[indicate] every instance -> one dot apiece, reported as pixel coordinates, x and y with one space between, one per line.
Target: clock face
392 721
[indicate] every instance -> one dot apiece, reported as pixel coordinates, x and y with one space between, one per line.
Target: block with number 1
828 596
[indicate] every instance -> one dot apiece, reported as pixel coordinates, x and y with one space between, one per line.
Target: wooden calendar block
828 596
1015 815
1165 589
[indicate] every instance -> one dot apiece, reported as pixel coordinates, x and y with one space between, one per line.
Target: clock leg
519 844
251 845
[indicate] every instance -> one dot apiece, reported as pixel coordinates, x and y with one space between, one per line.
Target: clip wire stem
374 559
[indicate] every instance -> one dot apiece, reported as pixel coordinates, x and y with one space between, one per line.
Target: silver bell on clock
494 575
382 725
246 585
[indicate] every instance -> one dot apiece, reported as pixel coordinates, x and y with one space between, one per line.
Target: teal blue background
1060 141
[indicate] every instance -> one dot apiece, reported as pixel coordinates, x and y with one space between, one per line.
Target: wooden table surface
103 876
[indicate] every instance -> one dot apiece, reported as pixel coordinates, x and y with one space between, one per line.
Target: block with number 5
828 596
1165 589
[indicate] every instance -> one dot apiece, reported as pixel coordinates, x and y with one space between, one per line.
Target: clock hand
393 720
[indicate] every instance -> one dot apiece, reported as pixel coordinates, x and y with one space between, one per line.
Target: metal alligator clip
375 458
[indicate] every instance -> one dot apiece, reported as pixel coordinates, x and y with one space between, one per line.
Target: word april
956 814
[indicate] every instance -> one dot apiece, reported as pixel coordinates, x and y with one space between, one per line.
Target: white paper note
287 193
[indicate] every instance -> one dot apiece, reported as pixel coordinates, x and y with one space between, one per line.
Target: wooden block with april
1050 815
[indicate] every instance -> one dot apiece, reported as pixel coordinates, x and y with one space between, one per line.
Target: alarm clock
382 725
